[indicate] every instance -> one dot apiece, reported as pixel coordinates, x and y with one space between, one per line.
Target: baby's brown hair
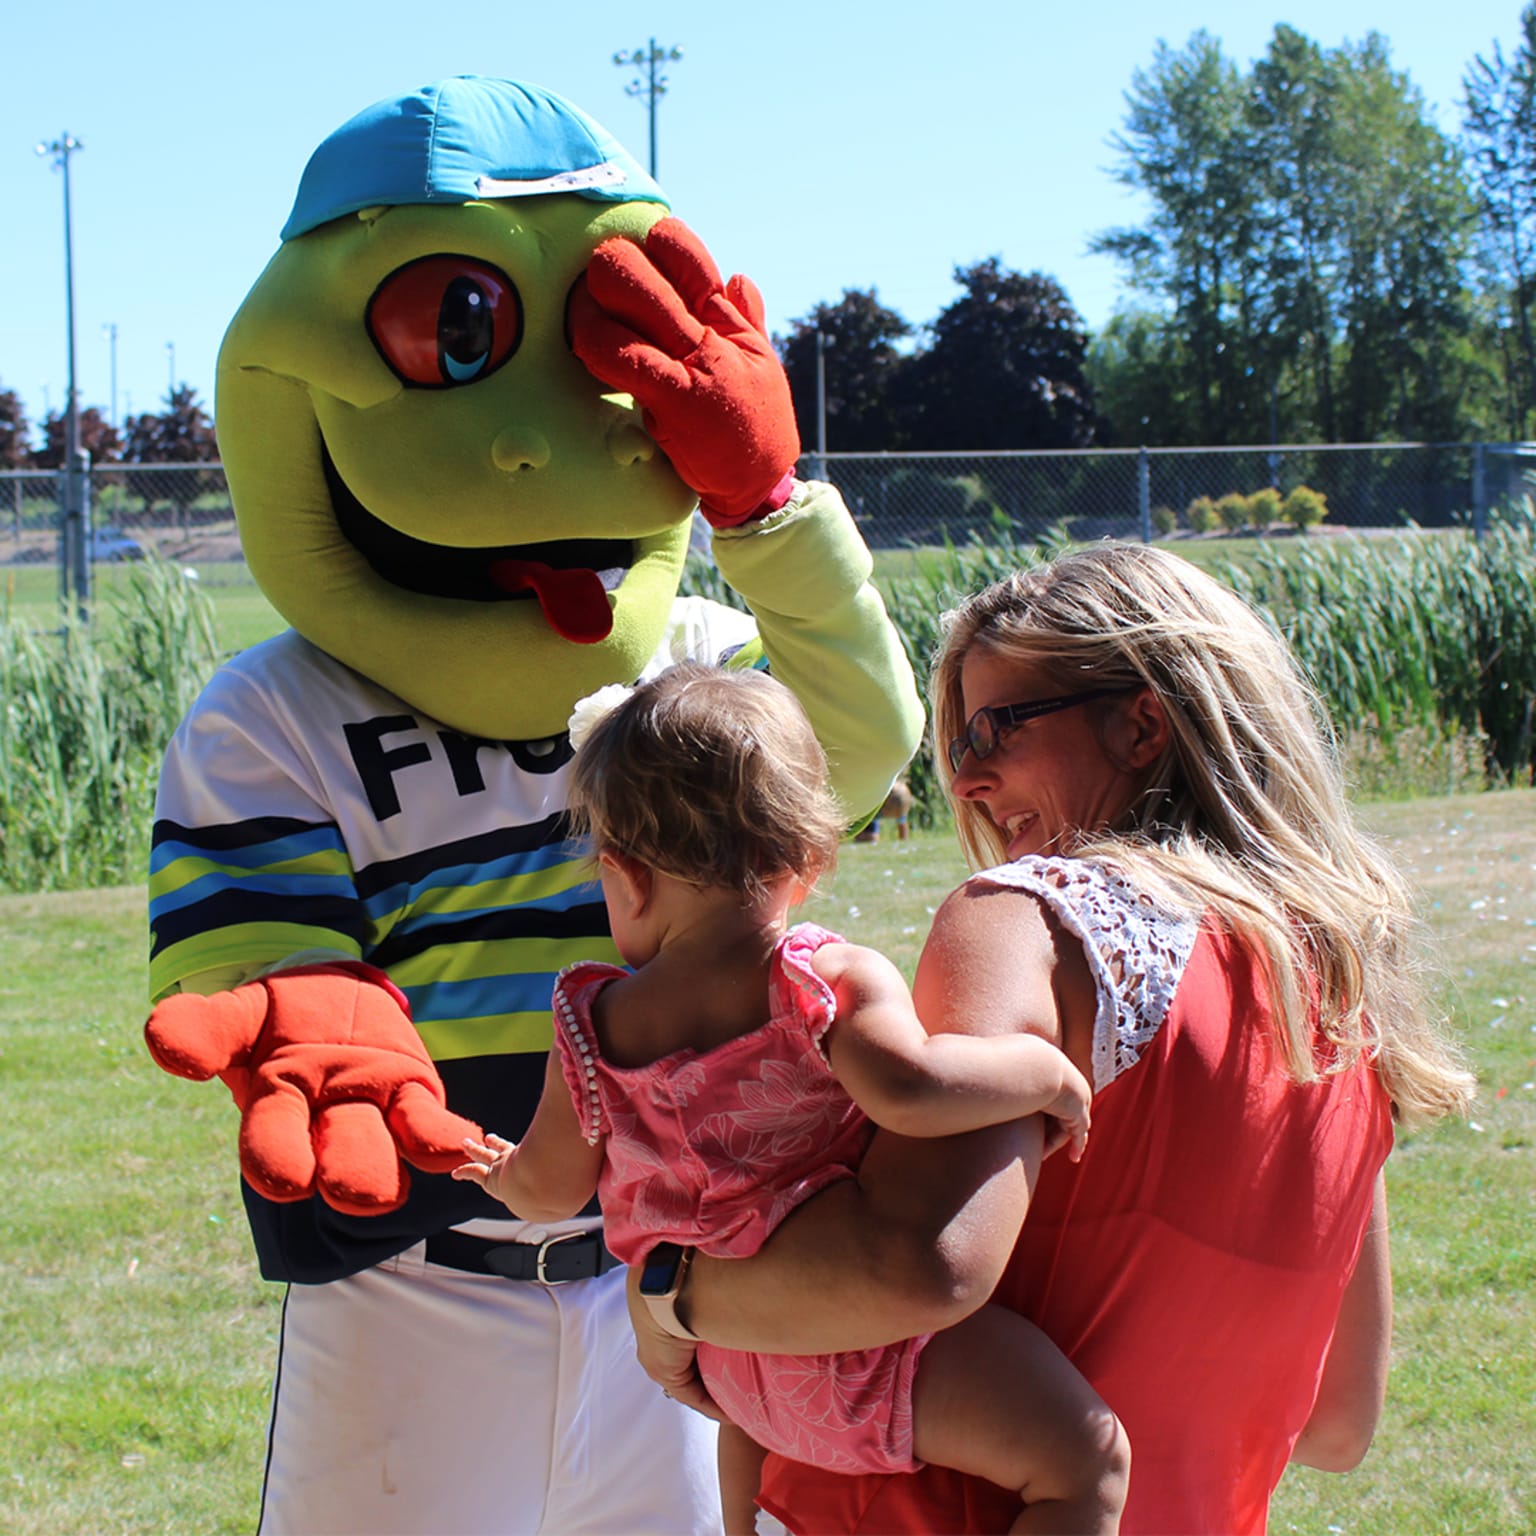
711 776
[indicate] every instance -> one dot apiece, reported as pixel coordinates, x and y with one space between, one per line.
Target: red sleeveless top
1191 1265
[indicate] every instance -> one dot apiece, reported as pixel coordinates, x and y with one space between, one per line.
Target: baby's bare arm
946 1083
552 1172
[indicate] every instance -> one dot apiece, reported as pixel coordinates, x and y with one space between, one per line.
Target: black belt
570 1256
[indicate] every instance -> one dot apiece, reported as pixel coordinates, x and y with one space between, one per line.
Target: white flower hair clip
593 708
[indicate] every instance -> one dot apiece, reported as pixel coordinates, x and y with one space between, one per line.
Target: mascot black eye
442 321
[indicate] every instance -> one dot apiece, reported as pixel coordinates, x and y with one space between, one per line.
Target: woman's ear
1141 732
627 879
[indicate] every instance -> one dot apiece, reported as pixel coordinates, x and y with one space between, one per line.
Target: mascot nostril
361 830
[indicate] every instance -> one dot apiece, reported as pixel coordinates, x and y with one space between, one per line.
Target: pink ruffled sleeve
580 1061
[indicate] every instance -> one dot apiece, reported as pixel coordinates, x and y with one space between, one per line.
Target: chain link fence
182 512
1142 493
176 511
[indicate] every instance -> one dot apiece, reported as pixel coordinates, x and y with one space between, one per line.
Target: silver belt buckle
544 1247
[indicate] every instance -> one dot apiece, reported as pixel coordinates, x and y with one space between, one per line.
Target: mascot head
428 484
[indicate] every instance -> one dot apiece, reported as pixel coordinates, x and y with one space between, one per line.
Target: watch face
659 1275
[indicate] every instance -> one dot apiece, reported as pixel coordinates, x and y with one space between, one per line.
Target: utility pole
170 398
653 86
75 565
821 404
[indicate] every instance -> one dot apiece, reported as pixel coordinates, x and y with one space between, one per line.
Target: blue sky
817 145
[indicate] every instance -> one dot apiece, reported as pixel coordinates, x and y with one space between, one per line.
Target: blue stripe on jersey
424 866
380 901
231 834
482 997
238 905
297 886
267 870
580 914
245 845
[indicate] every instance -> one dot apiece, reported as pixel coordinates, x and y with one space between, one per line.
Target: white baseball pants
415 1399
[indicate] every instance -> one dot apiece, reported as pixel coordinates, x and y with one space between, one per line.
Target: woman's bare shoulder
993 963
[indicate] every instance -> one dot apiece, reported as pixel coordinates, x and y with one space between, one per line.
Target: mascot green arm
805 573
654 317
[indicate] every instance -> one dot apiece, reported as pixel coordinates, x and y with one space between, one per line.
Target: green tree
1138 369
15 431
1307 241
1291 111
1004 368
861 359
1185 146
1499 129
1403 209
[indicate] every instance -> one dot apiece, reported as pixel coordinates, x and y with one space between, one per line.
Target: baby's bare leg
741 1475
995 1398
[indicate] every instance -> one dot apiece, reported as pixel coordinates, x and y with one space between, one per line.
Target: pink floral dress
714 1150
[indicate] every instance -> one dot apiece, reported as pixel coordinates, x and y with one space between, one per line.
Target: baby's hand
488 1161
1067 1115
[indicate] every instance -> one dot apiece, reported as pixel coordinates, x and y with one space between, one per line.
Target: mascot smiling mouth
569 578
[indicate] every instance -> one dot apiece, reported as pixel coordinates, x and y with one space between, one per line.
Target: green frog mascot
467 413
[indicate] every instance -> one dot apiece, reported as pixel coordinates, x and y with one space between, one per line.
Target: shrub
1264 507
1233 511
1165 520
1304 508
1202 515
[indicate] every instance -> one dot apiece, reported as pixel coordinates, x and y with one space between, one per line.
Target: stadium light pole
61 149
109 330
75 560
652 86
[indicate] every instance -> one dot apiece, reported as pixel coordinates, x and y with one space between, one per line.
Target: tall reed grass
1424 649
85 713
1438 633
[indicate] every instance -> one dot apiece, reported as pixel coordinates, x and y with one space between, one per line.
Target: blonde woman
1172 890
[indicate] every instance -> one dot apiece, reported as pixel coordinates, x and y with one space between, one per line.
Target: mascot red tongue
574 602
483 329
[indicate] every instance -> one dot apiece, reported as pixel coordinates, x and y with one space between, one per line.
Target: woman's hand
665 1358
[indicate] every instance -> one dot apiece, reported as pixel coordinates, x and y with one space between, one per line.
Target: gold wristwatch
661 1282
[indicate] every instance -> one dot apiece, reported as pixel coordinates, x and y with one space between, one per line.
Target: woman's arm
1354 1385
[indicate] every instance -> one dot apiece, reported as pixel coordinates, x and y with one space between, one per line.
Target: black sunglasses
985 728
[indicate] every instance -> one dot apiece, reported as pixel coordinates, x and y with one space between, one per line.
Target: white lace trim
1137 950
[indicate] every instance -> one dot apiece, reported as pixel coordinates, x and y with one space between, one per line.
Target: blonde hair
1244 817
714 777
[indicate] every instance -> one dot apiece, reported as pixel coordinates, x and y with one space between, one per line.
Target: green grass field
139 1340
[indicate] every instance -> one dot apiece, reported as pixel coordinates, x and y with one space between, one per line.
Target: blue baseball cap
460 139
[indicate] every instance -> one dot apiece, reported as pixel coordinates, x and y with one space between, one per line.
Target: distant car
109 543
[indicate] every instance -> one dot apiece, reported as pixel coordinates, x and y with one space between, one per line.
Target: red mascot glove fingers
358 1169
324 1064
195 1037
657 321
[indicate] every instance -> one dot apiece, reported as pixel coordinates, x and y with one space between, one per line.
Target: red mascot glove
656 321
333 1084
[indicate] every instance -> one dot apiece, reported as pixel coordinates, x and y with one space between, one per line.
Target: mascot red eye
445 320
